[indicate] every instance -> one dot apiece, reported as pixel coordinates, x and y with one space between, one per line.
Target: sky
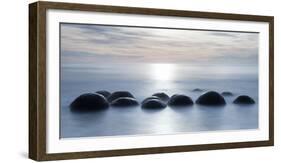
83 44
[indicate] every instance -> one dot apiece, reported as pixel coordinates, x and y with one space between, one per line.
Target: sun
163 71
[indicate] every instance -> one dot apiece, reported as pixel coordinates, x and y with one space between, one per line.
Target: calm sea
142 80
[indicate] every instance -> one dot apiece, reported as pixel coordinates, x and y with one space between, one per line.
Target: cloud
115 44
224 34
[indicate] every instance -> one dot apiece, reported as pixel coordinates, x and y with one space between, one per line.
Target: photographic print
116 80
133 80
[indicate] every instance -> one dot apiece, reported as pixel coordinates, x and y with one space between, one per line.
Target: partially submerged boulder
211 98
153 104
180 100
243 99
89 101
119 94
163 96
106 94
227 93
197 90
149 98
124 102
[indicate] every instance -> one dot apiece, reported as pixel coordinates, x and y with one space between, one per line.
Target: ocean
144 79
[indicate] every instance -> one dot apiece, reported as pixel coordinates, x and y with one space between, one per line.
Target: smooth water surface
145 79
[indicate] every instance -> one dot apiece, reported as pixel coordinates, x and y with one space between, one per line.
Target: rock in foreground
226 93
119 94
124 102
244 100
180 100
211 98
106 94
153 104
89 101
163 96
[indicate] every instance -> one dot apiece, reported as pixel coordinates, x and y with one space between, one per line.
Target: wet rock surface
153 104
163 96
124 102
149 98
197 90
211 98
243 99
180 100
89 101
106 94
119 94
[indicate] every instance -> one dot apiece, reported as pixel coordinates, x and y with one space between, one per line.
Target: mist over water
142 80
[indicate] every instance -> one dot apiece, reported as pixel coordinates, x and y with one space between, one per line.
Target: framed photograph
113 81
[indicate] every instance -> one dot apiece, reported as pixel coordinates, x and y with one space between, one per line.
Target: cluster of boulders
103 99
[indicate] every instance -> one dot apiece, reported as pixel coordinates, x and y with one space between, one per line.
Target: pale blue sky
97 44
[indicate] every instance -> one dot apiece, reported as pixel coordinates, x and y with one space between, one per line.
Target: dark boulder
180 100
163 96
197 90
124 102
106 94
211 98
226 93
244 100
149 98
153 104
119 94
89 101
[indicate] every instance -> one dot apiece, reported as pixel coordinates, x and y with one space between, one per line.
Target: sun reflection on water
163 71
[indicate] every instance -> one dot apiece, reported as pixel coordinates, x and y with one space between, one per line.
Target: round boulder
124 102
197 90
106 94
180 100
244 100
211 98
163 96
226 93
153 104
118 94
89 101
149 98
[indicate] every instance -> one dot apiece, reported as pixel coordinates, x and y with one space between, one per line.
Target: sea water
142 80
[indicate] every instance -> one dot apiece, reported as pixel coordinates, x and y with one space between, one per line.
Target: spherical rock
119 94
153 104
180 100
149 98
244 100
106 94
211 98
163 96
197 90
124 102
89 101
226 93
